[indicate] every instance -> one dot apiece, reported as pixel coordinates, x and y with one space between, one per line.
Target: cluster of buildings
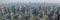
29 12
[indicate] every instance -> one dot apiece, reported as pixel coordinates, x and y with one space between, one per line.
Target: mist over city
29 9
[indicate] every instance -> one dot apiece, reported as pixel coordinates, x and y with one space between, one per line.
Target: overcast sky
26 1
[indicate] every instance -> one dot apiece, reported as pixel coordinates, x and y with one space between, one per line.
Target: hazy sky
26 1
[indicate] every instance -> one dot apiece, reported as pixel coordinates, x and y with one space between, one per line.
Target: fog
32 1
